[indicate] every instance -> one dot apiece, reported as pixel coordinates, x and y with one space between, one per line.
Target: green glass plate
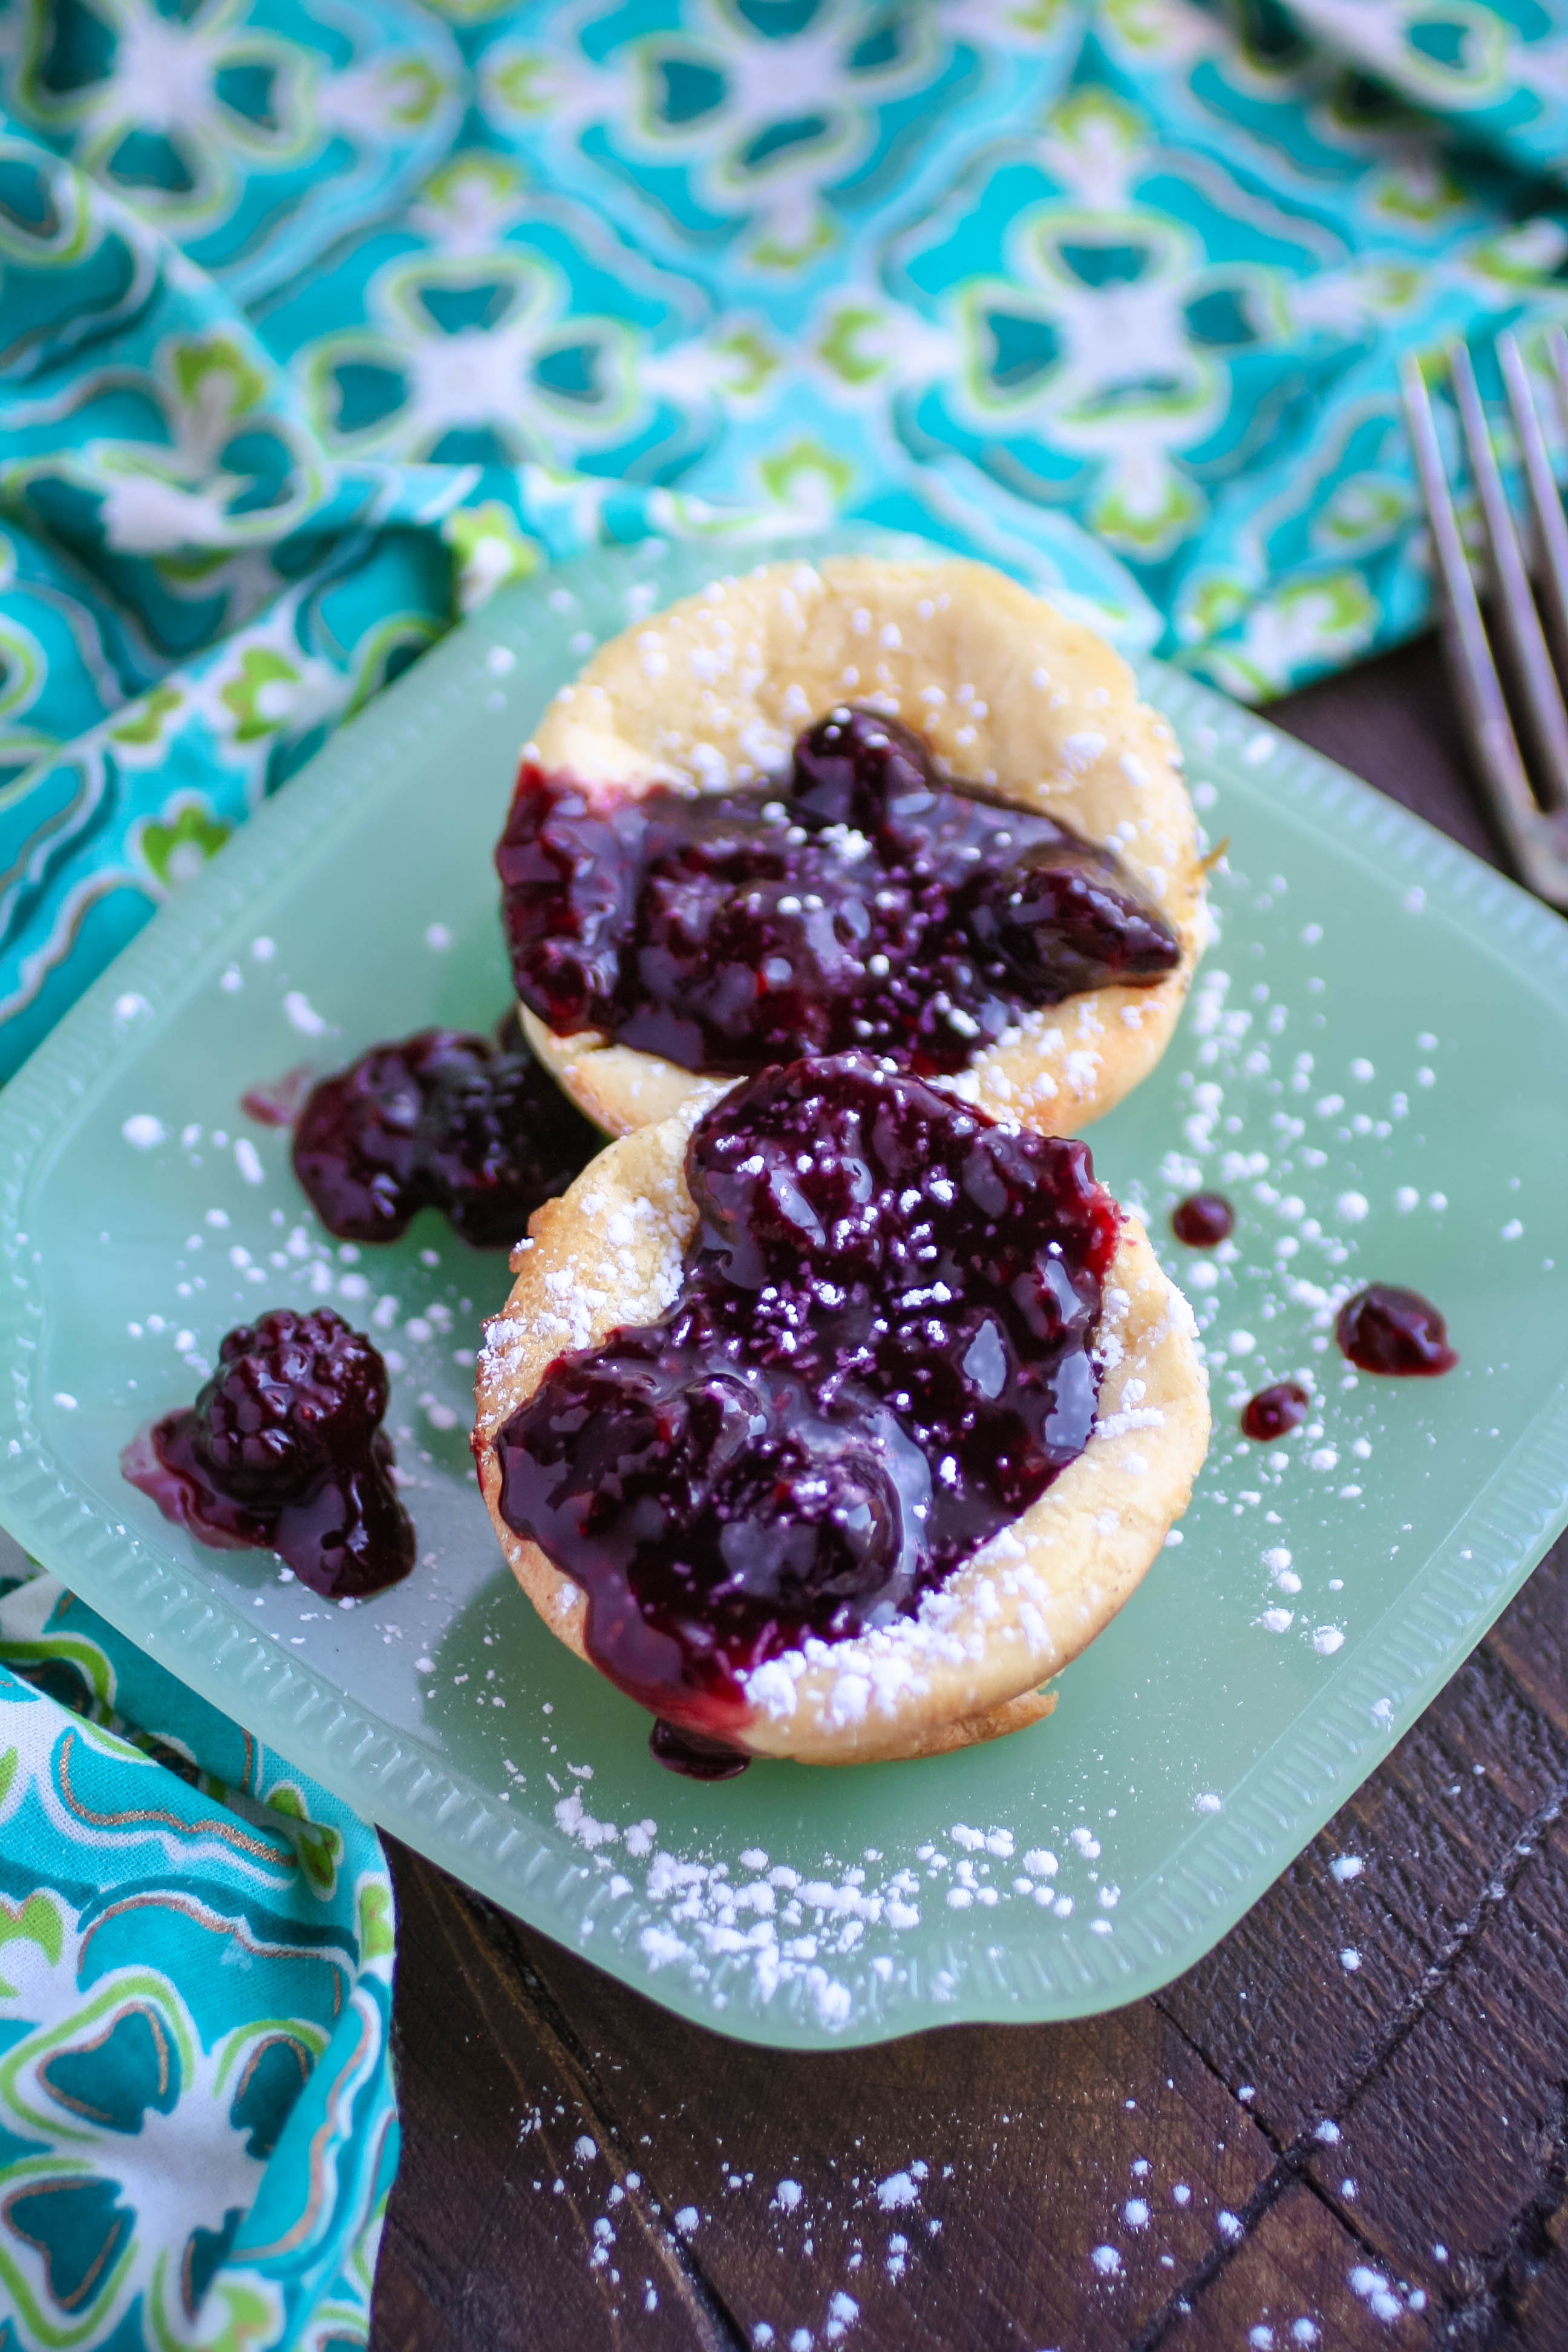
1375 1066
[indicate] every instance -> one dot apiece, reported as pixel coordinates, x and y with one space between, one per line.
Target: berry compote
283 1450
880 1354
868 901
1385 1330
1202 1219
694 1757
441 1120
1274 1413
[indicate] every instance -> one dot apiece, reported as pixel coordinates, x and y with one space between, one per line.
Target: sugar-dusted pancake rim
1006 690
971 1663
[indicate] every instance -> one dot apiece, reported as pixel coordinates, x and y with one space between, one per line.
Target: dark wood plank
1531 1638
1456 2154
1539 2312
1301 2280
1033 2221
1304 1997
521 2215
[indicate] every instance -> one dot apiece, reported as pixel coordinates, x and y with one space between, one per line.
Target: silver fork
1532 818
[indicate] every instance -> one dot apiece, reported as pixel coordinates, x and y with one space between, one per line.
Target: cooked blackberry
283 1450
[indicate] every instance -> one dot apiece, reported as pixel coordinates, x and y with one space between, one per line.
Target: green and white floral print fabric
197 2127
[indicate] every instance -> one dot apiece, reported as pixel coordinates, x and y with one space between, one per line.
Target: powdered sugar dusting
1270 1100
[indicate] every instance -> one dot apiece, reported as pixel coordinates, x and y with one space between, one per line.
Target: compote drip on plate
1385 1330
442 1119
869 900
880 1353
1275 1412
694 1757
1202 1219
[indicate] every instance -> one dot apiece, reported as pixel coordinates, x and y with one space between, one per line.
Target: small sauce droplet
1385 1330
280 1101
696 1758
1202 1219
1275 1412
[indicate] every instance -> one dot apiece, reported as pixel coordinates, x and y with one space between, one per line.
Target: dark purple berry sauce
694 1757
1274 1413
1385 1330
870 901
880 1354
283 1450
1202 1219
442 1120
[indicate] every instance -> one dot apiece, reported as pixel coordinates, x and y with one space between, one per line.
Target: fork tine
1516 605
1481 703
1557 352
1551 521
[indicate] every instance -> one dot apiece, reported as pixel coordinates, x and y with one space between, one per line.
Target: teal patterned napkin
317 322
197 2125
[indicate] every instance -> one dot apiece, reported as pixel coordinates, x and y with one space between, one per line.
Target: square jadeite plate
1374 1067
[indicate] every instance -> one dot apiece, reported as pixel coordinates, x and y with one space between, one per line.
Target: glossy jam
694 1757
442 1119
1275 1412
1385 1330
878 1355
867 902
283 1450
1202 1219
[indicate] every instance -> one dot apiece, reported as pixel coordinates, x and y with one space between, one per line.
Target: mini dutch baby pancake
903 807
832 1419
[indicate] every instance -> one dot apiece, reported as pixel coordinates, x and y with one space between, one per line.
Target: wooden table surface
1347 2127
